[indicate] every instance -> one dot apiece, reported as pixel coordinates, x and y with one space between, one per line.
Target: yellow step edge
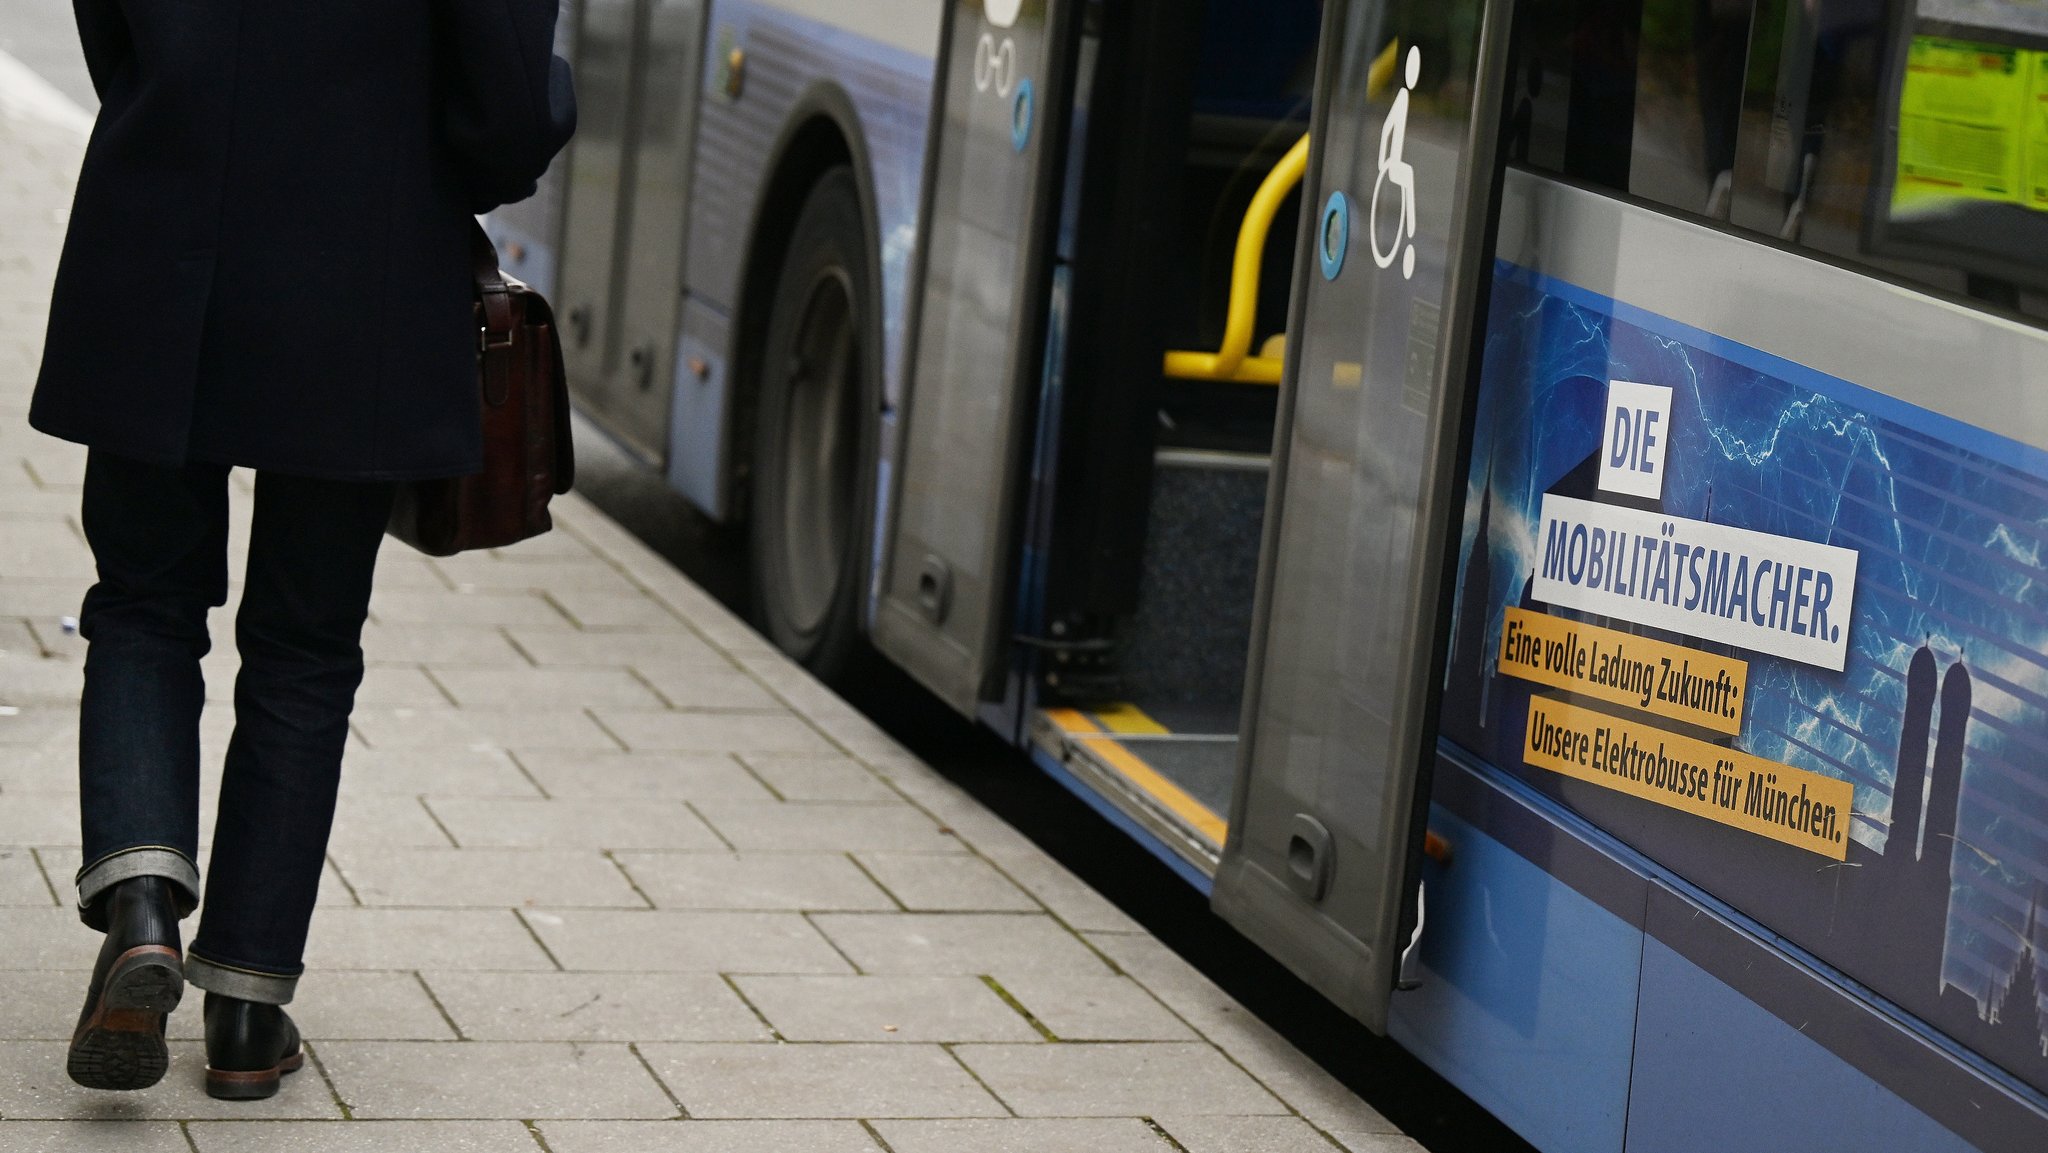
1144 777
1130 720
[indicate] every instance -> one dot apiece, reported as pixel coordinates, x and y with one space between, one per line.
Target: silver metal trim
1213 460
911 25
1981 369
1073 753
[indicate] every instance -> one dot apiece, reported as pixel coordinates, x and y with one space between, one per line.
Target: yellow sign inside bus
1973 125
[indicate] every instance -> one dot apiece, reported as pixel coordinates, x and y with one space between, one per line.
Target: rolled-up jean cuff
141 861
234 981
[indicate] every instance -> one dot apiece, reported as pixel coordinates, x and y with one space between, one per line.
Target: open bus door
990 206
1325 833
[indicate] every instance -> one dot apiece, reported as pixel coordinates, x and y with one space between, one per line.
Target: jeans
159 537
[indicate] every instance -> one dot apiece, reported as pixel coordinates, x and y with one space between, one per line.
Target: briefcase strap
494 328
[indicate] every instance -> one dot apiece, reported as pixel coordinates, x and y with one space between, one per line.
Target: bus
1536 507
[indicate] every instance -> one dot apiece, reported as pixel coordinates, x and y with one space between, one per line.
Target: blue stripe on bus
1872 1039
1715 1071
1528 999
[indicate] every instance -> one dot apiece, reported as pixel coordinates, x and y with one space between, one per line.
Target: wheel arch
822 131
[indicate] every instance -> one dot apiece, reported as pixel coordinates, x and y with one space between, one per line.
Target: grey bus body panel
877 93
1338 717
701 425
529 234
642 232
619 262
985 251
1981 369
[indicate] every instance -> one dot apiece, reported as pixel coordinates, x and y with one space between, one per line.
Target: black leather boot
250 1046
119 1041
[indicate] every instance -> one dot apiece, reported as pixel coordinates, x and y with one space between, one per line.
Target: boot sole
251 1085
121 1044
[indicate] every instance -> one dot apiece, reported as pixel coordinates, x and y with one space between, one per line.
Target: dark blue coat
268 256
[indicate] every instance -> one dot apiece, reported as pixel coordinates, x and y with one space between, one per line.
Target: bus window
1689 95
1906 139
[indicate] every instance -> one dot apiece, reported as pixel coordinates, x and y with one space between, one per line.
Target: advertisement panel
1785 635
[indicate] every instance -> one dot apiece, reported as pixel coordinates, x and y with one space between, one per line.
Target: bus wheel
811 438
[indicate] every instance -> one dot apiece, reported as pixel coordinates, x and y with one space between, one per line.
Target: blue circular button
1333 238
1020 115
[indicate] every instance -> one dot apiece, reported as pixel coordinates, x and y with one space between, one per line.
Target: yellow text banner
1798 808
1621 668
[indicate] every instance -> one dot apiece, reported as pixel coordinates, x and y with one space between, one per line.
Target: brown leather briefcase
528 457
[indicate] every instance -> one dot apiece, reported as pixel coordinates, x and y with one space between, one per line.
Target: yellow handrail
1232 361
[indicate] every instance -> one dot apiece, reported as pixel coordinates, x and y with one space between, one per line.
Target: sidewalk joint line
434 997
436 818
809 914
548 597
1329 1137
875 1135
1172 1142
682 1114
506 633
438 684
699 814
734 985
43 868
448 583
1017 1006
533 1131
869 874
531 932
591 712
343 878
313 1055
634 672
185 1130
1027 890
612 856
512 756
750 770
948 1046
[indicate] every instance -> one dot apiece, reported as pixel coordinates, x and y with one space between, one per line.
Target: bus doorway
1153 450
1260 705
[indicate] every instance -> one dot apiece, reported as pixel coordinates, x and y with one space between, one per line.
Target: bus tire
813 439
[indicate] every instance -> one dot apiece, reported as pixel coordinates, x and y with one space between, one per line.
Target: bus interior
1180 230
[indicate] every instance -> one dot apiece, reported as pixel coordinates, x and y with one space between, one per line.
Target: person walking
268 266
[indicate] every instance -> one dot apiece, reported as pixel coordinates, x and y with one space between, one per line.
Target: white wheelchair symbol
1399 173
1003 13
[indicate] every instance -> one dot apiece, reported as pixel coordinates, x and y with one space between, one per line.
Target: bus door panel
1322 858
638 389
991 204
599 194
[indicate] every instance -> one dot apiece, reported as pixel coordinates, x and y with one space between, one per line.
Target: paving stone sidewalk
608 874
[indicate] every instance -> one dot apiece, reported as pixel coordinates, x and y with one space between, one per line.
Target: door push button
1309 858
